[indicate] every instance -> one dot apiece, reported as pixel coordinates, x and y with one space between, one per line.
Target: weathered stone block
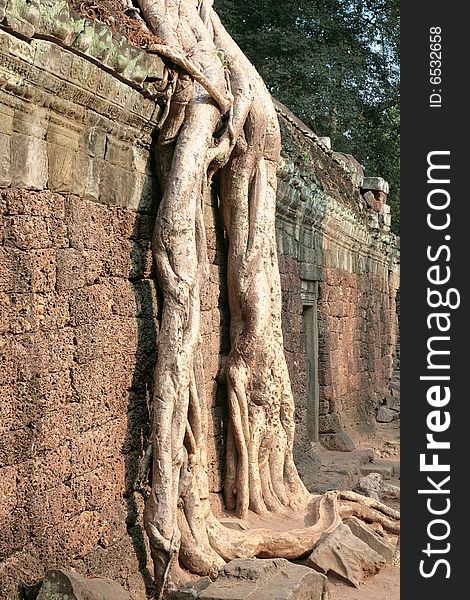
143 196
18 25
344 554
62 585
57 21
385 415
83 182
26 232
52 58
337 441
265 579
372 539
116 185
29 166
371 484
329 423
5 159
384 468
119 154
70 269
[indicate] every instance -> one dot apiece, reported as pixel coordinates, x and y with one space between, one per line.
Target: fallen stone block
390 491
190 590
375 183
385 415
67 585
370 485
337 441
342 553
393 403
372 539
259 579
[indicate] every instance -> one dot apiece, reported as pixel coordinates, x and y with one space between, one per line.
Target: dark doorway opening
310 328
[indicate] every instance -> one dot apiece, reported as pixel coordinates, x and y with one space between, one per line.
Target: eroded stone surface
385 415
256 579
370 485
372 539
344 554
67 585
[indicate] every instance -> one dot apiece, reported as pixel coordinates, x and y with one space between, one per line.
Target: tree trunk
216 78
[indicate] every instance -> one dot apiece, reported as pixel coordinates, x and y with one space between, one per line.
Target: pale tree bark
216 79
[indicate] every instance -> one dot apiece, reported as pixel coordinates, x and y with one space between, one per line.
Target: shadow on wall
148 305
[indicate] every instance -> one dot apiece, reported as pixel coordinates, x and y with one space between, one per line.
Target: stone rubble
373 485
342 553
370 537
258 579
67 585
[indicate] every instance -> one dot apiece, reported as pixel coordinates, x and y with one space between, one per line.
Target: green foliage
334 63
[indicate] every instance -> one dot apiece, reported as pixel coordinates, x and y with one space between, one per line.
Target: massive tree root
217 84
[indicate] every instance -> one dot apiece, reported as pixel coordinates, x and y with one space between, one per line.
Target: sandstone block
143 194
42 268
370 485
29 166
116 185
372 539
68 585
191 590
263 580
62 166
5 159
18 25
119 154
375 183
93 142
342 553
337 441
13 45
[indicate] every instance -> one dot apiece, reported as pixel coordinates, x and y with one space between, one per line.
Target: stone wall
78 304
79 307
338 256
79 310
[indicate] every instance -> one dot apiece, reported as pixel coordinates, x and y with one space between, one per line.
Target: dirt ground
384 586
